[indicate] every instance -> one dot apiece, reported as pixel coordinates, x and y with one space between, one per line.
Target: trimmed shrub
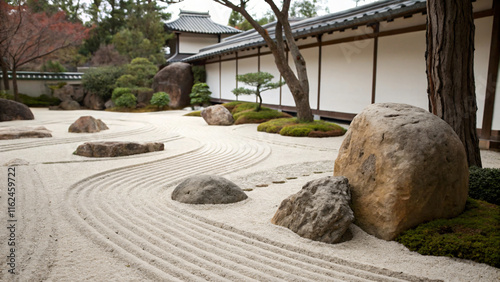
160 99
126 80
474 235
200 95
265 114
101 81
291 127
5 95
118 92
484 184
127 100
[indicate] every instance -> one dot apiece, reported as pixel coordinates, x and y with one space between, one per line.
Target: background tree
261 81
37 35
450 70
237 21
298 84
305 8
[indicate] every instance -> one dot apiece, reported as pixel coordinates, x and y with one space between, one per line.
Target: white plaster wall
401 69
286 94
267 65
247 65
228 80
346 76
496 109
213 79
311 55
481 60
192 43
35 88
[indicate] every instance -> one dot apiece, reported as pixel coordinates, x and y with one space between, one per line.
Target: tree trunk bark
5 74
14 84
450 70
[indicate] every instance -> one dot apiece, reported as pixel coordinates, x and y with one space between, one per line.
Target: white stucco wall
481 60
311 55
401 68
228 79
213 79
346 76
247 65
267 65
496 110
192 43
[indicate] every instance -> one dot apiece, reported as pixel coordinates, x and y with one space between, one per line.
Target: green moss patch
291 127
474 235
41 101
251 116
146 109
231 105
193 114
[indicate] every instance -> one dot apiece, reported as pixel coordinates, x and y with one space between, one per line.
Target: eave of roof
364 15
28 75
198 22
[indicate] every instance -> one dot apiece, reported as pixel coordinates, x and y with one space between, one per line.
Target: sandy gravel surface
112 219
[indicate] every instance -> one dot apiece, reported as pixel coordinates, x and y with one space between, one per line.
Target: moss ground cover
474 235
146 109
291 127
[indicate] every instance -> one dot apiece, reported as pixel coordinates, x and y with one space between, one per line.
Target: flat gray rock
24 132
116 149
208 189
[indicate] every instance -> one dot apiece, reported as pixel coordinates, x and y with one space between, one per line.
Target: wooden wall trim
320 59
375 59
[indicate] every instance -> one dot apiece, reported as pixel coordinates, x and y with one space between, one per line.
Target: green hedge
484 184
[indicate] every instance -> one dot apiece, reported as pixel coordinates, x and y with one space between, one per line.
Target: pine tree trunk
450 70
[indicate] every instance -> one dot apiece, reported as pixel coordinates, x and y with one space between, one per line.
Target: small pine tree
261 81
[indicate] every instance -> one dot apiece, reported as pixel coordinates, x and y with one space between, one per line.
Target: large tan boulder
405 166
319 211
217 115
176 80
94 101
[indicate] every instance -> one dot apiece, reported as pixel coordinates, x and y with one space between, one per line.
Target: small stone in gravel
261 185
279 182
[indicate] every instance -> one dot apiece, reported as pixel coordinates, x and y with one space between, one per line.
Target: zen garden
293 141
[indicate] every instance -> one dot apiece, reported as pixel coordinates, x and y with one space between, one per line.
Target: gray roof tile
197 22
371 13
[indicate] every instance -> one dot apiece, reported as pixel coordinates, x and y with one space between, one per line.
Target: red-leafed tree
34 35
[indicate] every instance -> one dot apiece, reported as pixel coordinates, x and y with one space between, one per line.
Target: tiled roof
371 13
29 75
197 22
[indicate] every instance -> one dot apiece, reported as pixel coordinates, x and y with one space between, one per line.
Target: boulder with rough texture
177 80
117 149
93 101
87 124
217 115
24 132
69 105
109 104
208 189
69 92
11 110
320 211
405 166
144 96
